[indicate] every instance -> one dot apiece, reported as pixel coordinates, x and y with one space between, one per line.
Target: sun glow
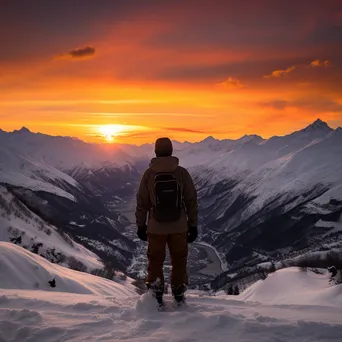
110 132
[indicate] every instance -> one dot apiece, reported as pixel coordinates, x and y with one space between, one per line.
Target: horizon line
24 128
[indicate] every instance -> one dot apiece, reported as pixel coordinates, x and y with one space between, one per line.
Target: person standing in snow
167 201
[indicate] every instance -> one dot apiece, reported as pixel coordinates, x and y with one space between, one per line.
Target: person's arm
143 202
190 200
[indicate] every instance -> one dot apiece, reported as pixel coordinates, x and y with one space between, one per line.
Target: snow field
70 317
87 308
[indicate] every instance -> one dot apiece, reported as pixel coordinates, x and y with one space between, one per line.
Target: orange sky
150 68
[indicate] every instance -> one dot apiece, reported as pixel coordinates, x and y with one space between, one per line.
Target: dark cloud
249 32
249 26
85 52
194 24
319 105
327 33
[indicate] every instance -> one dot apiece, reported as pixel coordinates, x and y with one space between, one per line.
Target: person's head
163 147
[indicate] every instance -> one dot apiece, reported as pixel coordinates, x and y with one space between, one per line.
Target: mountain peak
318 125
209 139
23 130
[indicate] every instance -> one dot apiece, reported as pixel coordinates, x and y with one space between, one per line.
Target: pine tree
35 247
230 290
17 240
52 282
236 290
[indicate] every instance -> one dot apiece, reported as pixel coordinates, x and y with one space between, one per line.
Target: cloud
317 63
316 105
181 129
80 53
231 83
275 104
314 64
279 73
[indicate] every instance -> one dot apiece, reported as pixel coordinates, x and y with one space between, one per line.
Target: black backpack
168 198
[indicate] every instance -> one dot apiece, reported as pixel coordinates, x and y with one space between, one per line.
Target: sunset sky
129 71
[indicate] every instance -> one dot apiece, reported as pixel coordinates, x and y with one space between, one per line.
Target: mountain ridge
317 124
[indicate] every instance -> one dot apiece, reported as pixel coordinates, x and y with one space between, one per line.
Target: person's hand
192 234
142 232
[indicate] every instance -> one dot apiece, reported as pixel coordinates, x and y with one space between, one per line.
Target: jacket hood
163 147
164 164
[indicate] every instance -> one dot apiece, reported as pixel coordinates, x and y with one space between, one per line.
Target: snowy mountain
63 153
53 213
268 199
258 197
265 195
289 305
93 165
22 171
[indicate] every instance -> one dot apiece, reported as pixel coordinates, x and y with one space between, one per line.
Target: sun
110 132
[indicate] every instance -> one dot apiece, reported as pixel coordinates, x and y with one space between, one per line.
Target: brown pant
178 248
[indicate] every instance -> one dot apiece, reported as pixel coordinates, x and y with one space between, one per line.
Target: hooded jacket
146 198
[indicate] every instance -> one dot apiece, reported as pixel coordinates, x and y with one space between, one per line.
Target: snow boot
157 288
178 293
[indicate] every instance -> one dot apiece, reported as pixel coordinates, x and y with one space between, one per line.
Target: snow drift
293 286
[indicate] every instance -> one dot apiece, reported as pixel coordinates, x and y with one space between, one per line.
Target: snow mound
21 269
292 286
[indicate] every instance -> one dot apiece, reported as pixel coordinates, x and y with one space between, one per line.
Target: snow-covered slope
21 269
88 308
64 231
16 220
15 169
57 180
267 195
317 164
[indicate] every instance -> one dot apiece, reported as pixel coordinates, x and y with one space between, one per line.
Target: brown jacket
145 198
